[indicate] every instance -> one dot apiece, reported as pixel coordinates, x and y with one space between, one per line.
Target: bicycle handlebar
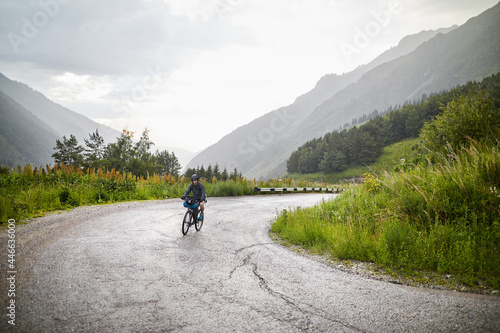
192 198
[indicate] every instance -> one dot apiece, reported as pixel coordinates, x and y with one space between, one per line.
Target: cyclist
198 192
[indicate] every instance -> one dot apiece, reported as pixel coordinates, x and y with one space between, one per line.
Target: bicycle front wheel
199 223
186 223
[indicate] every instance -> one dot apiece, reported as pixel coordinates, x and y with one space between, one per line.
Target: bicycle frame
191 216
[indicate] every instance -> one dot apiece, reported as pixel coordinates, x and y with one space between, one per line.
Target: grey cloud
104 37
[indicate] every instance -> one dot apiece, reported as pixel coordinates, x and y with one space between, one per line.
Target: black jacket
198 191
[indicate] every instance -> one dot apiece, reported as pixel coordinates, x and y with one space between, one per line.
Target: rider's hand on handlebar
183 197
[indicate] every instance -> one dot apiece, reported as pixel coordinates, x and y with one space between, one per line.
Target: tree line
124 155
339 150
212 173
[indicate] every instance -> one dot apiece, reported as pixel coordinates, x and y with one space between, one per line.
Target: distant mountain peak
226 152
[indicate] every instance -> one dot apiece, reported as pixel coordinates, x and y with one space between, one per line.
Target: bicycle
191 216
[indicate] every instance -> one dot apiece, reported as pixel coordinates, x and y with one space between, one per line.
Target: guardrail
296 189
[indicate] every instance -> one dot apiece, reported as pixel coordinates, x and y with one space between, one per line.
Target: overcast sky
194 70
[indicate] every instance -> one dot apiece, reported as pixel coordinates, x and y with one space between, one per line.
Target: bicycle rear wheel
198 223
186 222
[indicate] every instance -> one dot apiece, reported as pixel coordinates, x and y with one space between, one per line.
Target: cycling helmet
195 177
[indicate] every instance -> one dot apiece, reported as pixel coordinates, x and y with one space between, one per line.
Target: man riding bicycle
198 192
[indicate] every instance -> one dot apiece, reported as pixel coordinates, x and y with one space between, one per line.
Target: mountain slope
62 120
470 52
261 145
31 124
23 137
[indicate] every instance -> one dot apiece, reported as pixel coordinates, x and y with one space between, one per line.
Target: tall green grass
31 191
441 215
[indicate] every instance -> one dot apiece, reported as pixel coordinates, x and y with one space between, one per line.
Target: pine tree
209 173
94 152
217 171
118 155
224 175
69 152
170 164
142 162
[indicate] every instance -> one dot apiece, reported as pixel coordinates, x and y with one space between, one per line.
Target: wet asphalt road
127 268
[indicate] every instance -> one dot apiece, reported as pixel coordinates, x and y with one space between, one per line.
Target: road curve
127 268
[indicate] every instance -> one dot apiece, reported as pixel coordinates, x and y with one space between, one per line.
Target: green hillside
344 153
434 217
31 123
390 158
23 137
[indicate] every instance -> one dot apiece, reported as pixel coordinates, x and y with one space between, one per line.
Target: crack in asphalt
245 262
80 272
253 245
265 286
247 258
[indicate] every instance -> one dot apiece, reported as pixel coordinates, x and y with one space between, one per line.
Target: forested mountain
62 120
24 138
470 52
31 123
261 148
356 146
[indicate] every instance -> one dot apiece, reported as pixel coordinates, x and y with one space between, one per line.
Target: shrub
471 116
67 198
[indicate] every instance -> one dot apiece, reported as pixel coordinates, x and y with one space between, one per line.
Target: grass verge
32 192
441 215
